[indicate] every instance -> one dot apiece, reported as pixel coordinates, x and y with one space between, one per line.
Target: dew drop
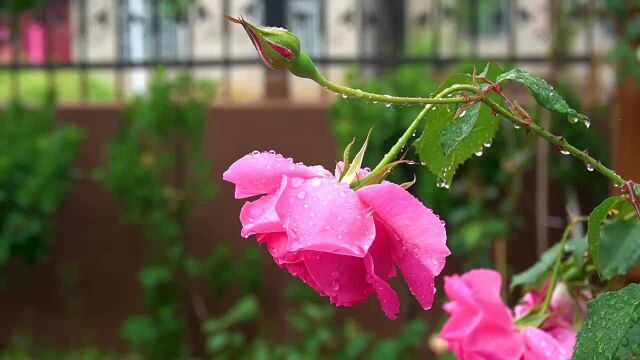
573 119
462 113
315 182
301 195
587 123
487 144
516 126
255 152
564 152
479 152
296 182
589 167
359 93
388 105
272 152
344 96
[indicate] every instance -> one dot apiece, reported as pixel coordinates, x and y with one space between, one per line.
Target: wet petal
420 249
260 216
261 173
343 278
379 266
543 346
293 262
322 215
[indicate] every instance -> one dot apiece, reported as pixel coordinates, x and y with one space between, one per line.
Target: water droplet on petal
297 182
255 152
272 152
301 195
315 182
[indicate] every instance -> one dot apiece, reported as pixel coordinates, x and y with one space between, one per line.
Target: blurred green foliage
21 348
626 51
156 168
35 177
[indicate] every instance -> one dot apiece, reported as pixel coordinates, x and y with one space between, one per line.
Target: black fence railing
58 35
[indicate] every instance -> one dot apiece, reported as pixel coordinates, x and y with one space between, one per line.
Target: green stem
398 100
406 136
556 268
559 141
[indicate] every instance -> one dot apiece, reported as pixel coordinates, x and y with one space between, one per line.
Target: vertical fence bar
474 26
511 31
46 24
84 51
118 23
14 75
435 32
226 51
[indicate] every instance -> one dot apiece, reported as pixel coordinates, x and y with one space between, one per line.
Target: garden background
118 237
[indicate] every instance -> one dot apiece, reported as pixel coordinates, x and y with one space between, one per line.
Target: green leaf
535 273
445 145
612 329
619 246
595 219
458 129
543 92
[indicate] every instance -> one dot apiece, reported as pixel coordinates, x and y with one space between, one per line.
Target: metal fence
56 36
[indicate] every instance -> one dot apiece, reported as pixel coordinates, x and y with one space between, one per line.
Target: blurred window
306 19
149 33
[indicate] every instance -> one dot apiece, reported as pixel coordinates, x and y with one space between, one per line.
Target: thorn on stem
635 201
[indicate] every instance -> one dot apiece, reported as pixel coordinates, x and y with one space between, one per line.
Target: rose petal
341 277
260 216
543 346
322 215
492 342
293 262
379 266
261 173
421 250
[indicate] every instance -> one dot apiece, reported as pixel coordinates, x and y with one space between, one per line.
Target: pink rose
342 243
481 326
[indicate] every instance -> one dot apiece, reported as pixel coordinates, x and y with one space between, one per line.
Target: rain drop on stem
587 123
564 151
589 167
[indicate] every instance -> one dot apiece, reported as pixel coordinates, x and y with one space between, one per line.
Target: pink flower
481 326
342 243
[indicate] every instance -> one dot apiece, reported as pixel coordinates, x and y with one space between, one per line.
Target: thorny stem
556 268
397 100
406 136
559 141
521 119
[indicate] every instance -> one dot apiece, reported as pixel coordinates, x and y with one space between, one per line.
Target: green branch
404 139
397 100
559 141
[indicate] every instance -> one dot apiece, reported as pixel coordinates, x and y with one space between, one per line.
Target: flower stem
556 268
559 141
404 139
398 100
